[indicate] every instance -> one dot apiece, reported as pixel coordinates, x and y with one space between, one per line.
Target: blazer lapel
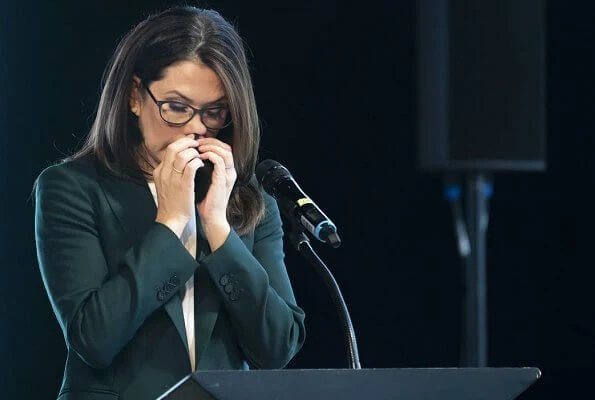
135 209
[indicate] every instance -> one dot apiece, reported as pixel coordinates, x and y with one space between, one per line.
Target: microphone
278 182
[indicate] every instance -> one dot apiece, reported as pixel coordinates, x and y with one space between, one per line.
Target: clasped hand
174 182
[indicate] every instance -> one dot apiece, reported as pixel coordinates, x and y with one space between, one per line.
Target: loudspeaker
481 85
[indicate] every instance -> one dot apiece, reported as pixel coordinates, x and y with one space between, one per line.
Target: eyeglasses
178 114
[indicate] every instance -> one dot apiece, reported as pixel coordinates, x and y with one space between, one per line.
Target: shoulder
68 175
82 168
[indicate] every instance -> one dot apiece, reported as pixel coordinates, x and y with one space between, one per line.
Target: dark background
334 83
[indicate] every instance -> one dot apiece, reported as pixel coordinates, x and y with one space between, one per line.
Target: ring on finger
176 170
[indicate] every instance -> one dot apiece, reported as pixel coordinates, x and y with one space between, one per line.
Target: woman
148 280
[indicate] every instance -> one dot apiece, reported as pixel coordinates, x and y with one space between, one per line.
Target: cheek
156 135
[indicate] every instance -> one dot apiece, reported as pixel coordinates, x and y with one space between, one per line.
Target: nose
195 127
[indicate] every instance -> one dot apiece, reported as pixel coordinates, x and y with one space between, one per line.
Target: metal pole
475 352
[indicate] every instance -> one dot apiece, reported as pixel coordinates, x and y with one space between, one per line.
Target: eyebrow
187 99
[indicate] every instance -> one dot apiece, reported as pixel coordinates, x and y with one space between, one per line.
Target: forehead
194 80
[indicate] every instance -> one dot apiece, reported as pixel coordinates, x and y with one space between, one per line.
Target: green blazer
114 278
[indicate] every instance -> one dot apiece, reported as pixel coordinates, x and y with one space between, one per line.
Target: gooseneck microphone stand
301 243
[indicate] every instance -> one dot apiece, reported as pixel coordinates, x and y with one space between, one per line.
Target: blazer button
236 294
224 280
228 288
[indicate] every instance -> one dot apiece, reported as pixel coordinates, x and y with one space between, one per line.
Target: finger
224 153
183 158
214 141
217 160
190 170
173 149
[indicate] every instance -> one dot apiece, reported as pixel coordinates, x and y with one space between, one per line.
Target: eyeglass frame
199 111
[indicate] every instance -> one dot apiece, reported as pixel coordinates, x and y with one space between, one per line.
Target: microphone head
270 171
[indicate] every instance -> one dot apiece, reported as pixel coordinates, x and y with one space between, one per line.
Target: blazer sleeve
257 293
98 311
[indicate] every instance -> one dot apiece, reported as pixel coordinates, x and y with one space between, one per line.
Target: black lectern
356 384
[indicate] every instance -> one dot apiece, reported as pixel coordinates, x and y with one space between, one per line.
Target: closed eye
215 112
177 107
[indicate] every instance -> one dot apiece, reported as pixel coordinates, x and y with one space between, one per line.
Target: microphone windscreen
268 172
